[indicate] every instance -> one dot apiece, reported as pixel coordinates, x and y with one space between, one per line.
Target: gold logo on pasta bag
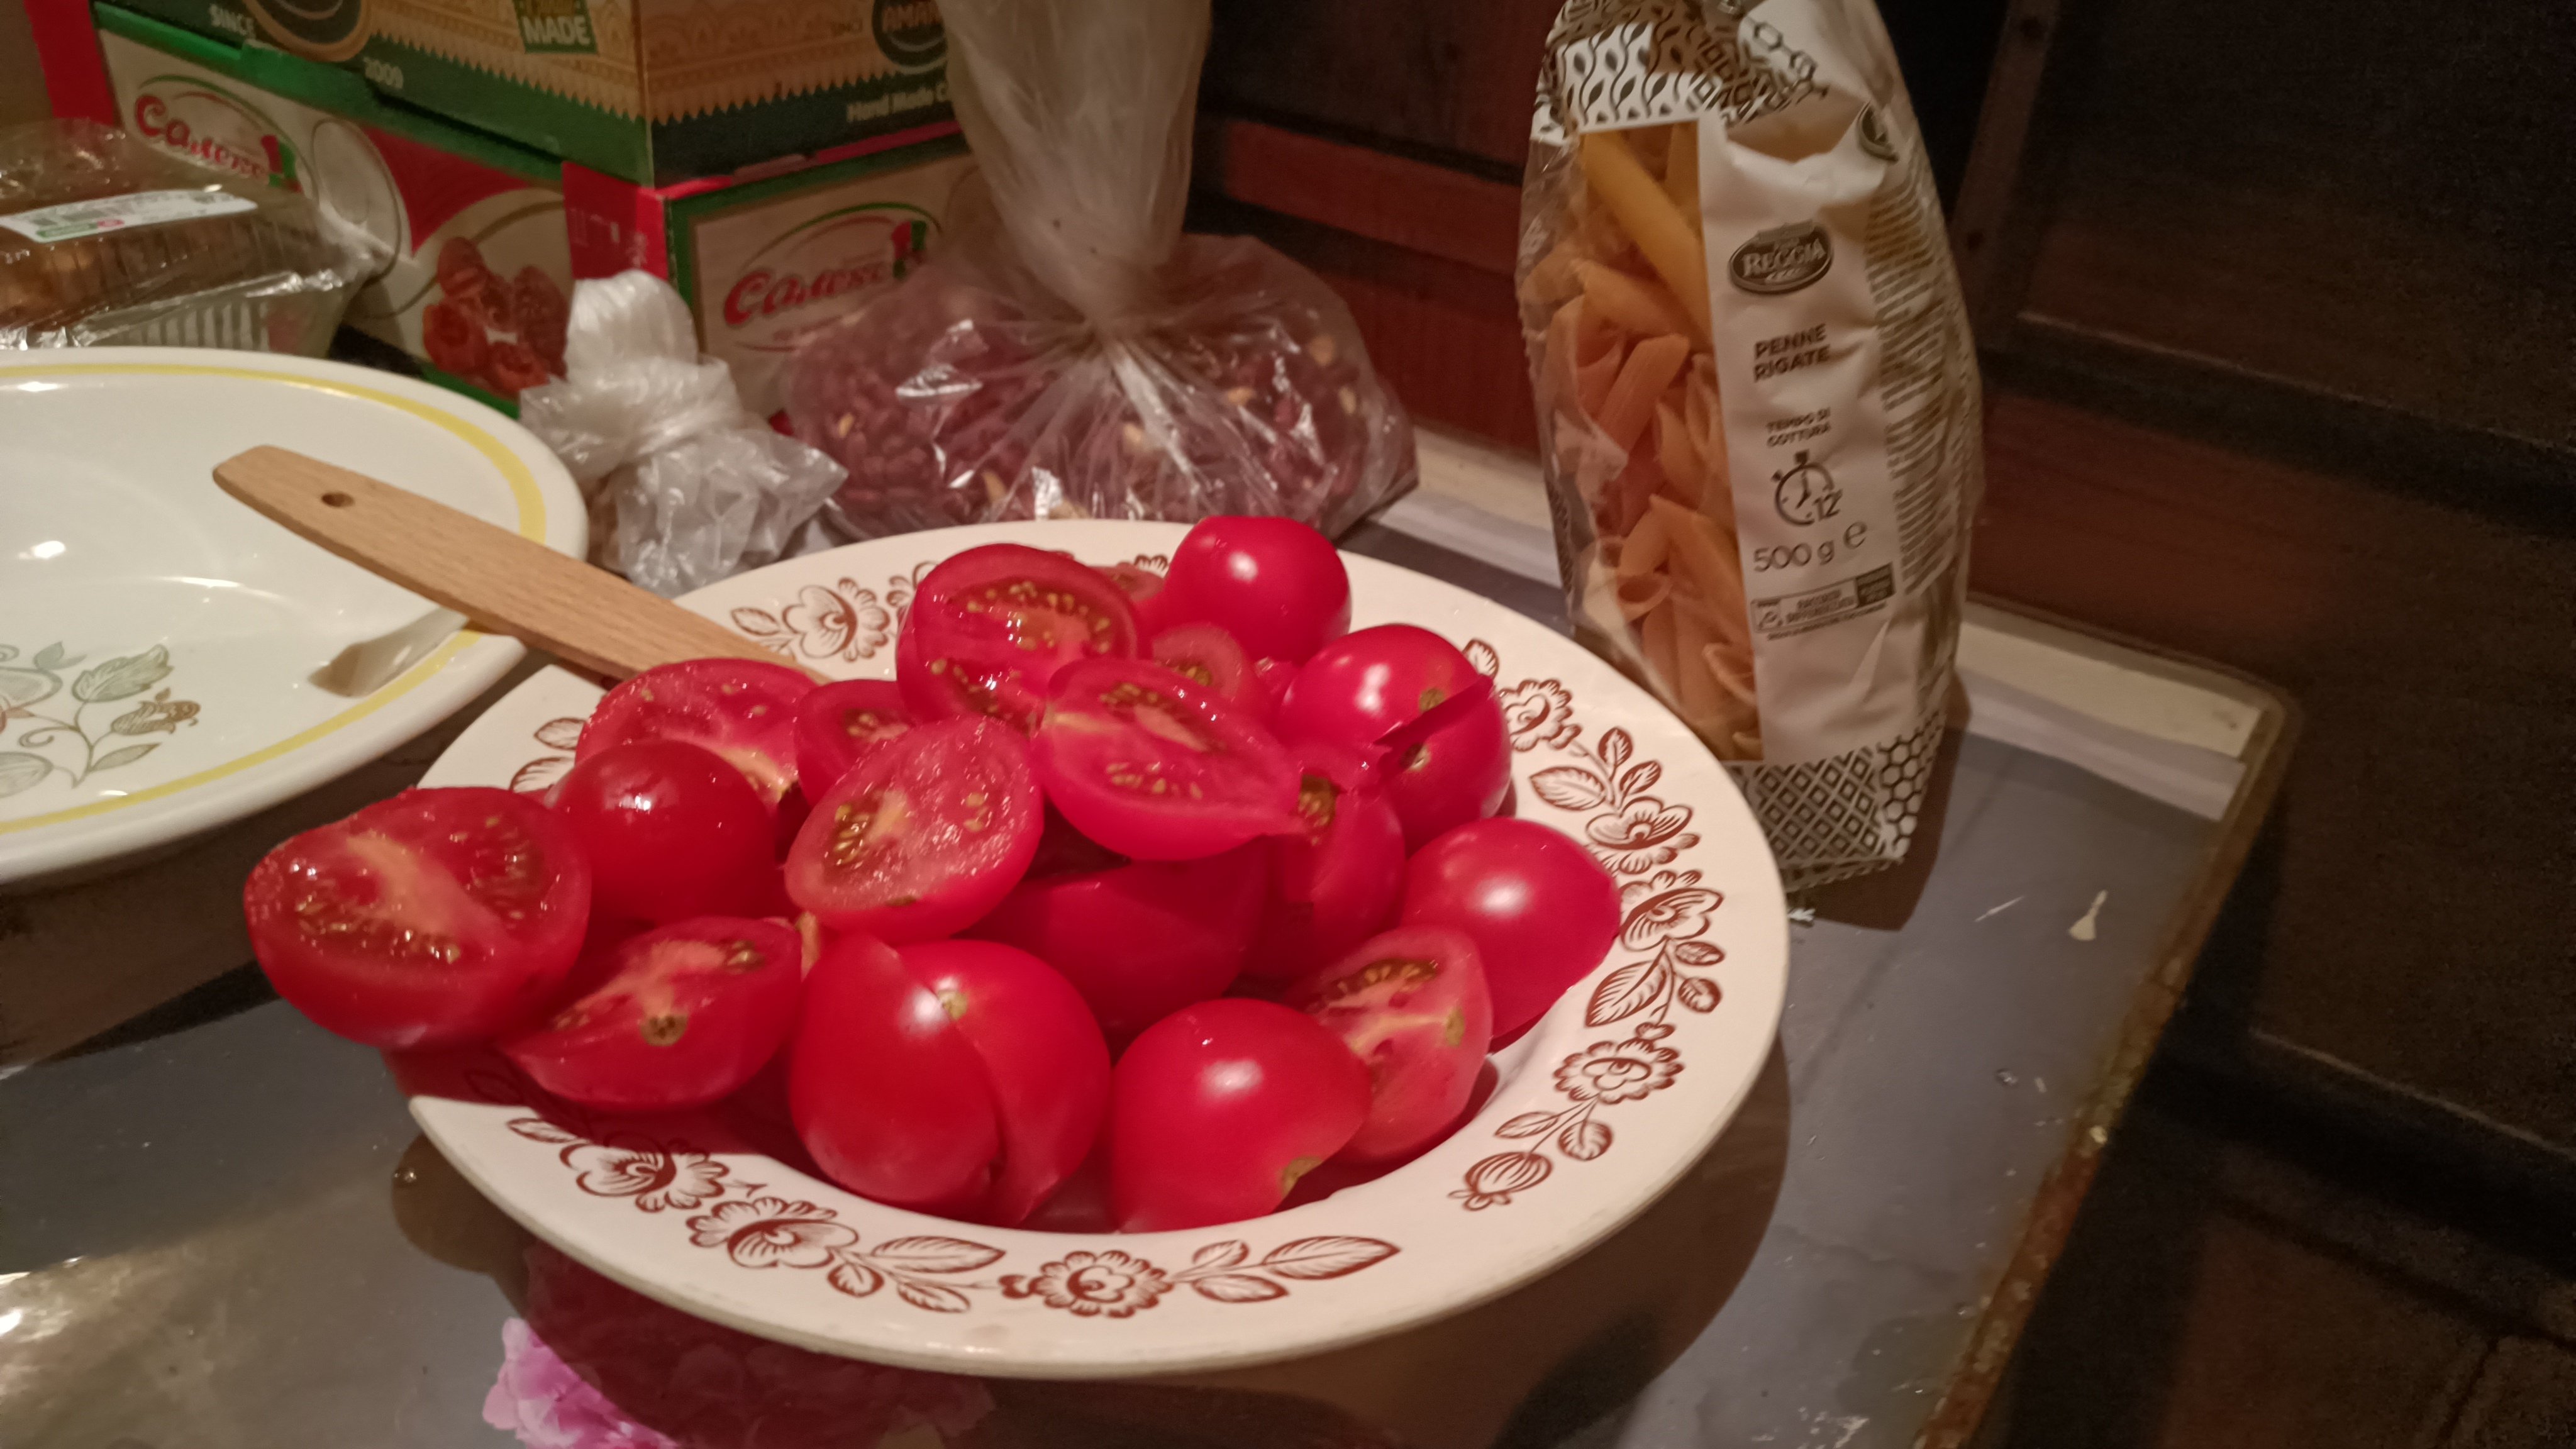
1783 259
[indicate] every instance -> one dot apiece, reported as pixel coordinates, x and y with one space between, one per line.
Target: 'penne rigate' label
1758 397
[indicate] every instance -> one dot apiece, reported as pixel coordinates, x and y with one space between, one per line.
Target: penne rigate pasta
1649 368
1644 548
1681 171
1642 306
1624 367
1642 595
1685 474
1638 201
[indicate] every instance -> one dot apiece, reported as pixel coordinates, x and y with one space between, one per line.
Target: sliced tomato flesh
742 709
923 836
840 723
433 918
990 626
1157 767
687 1015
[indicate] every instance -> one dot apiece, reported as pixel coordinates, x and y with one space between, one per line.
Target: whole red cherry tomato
990 627
1044 1055
687 1015
1412 1005
839 723
887 1094
430 919
1336 883
1218 1109
1139 941
1277 585
1157 767
1410 693
743 709
921 837
671 832
1542 911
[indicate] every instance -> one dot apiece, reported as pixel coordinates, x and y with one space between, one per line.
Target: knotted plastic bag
686 486
1070 354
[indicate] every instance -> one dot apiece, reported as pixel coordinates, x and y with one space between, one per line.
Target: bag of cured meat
1757 396
1070 354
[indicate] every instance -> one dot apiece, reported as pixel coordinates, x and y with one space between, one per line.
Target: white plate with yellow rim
158 640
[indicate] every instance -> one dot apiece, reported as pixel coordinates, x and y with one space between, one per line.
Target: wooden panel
2368 200
2176 1322
1442 76
1437 210
2419 918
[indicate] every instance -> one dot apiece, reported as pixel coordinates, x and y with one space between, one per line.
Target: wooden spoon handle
587 617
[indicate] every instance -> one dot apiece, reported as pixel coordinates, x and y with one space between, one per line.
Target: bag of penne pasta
1757 397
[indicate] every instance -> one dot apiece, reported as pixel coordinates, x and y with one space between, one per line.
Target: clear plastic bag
1071 354
1757 397
107 241
686 486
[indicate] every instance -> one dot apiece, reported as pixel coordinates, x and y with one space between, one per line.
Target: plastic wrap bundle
686 486
107 241
1757 397
1071 354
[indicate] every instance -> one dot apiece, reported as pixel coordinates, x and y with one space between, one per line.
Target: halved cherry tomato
990 627
1336 883
840 722
1451 766
1144 590
1542 911
1218 1109
687 1015
1139 941
1157 767
888 1095
1411 693
671 831
433 918
742 709
1412 1005
1363 686
1206 654
924 835
1278 586
1043 1054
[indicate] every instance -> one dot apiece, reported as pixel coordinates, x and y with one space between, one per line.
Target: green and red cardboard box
484 237
649 91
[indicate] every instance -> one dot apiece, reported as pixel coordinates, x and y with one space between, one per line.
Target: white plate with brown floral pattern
1598 1110
158 640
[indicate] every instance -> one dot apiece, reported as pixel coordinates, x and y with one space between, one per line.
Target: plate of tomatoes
1153 949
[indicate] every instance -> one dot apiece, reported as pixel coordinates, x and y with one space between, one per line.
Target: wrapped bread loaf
104 240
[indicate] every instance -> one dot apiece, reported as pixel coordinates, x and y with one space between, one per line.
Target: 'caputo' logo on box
322 29
836 258
1782 259
219 130
556 27
908 33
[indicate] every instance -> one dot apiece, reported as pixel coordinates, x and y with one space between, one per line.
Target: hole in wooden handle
336 499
